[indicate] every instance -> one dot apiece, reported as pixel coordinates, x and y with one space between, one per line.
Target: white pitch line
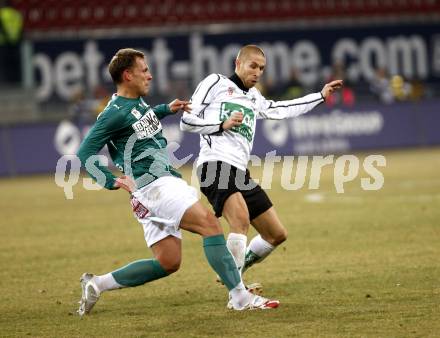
314 197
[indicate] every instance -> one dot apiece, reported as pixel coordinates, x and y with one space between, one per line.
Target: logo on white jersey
246 129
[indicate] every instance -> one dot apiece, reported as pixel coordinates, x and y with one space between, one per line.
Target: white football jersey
213 102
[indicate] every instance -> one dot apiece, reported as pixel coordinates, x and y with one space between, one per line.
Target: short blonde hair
247 50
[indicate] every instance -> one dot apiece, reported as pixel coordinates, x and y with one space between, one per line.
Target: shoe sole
82 303
269 305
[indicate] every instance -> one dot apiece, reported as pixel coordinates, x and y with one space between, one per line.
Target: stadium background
54 82
387 53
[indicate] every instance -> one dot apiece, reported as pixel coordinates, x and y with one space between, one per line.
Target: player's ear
126 75
237 63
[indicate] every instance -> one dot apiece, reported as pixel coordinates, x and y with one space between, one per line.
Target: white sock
236 244
260 247
239 296
107 282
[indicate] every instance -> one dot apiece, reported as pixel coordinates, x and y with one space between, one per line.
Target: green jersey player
162 202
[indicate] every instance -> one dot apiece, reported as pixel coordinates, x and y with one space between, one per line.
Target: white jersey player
225 111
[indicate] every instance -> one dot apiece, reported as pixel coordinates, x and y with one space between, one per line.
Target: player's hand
331 87
187 107
235 120
126 183
179 105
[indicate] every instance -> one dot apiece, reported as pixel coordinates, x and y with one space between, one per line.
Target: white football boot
255 288
90 294
256 303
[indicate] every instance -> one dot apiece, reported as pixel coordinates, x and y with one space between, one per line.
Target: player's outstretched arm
163 110
278 110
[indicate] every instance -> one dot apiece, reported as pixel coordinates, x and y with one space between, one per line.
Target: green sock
221 260
250 259
139 272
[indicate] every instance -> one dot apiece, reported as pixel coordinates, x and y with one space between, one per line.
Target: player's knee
209 224
169 264
173 267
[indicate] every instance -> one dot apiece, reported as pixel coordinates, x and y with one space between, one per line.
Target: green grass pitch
358 264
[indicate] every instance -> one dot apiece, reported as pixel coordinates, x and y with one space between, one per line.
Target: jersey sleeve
107 125
195 121
115 156
162 110
278 110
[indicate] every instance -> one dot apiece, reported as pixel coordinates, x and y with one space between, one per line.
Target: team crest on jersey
136 113
230 91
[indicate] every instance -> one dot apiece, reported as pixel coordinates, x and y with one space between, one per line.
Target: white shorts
160 206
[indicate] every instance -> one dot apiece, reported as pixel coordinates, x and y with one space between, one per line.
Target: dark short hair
122 60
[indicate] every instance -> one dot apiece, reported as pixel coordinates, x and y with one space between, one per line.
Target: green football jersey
133 133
